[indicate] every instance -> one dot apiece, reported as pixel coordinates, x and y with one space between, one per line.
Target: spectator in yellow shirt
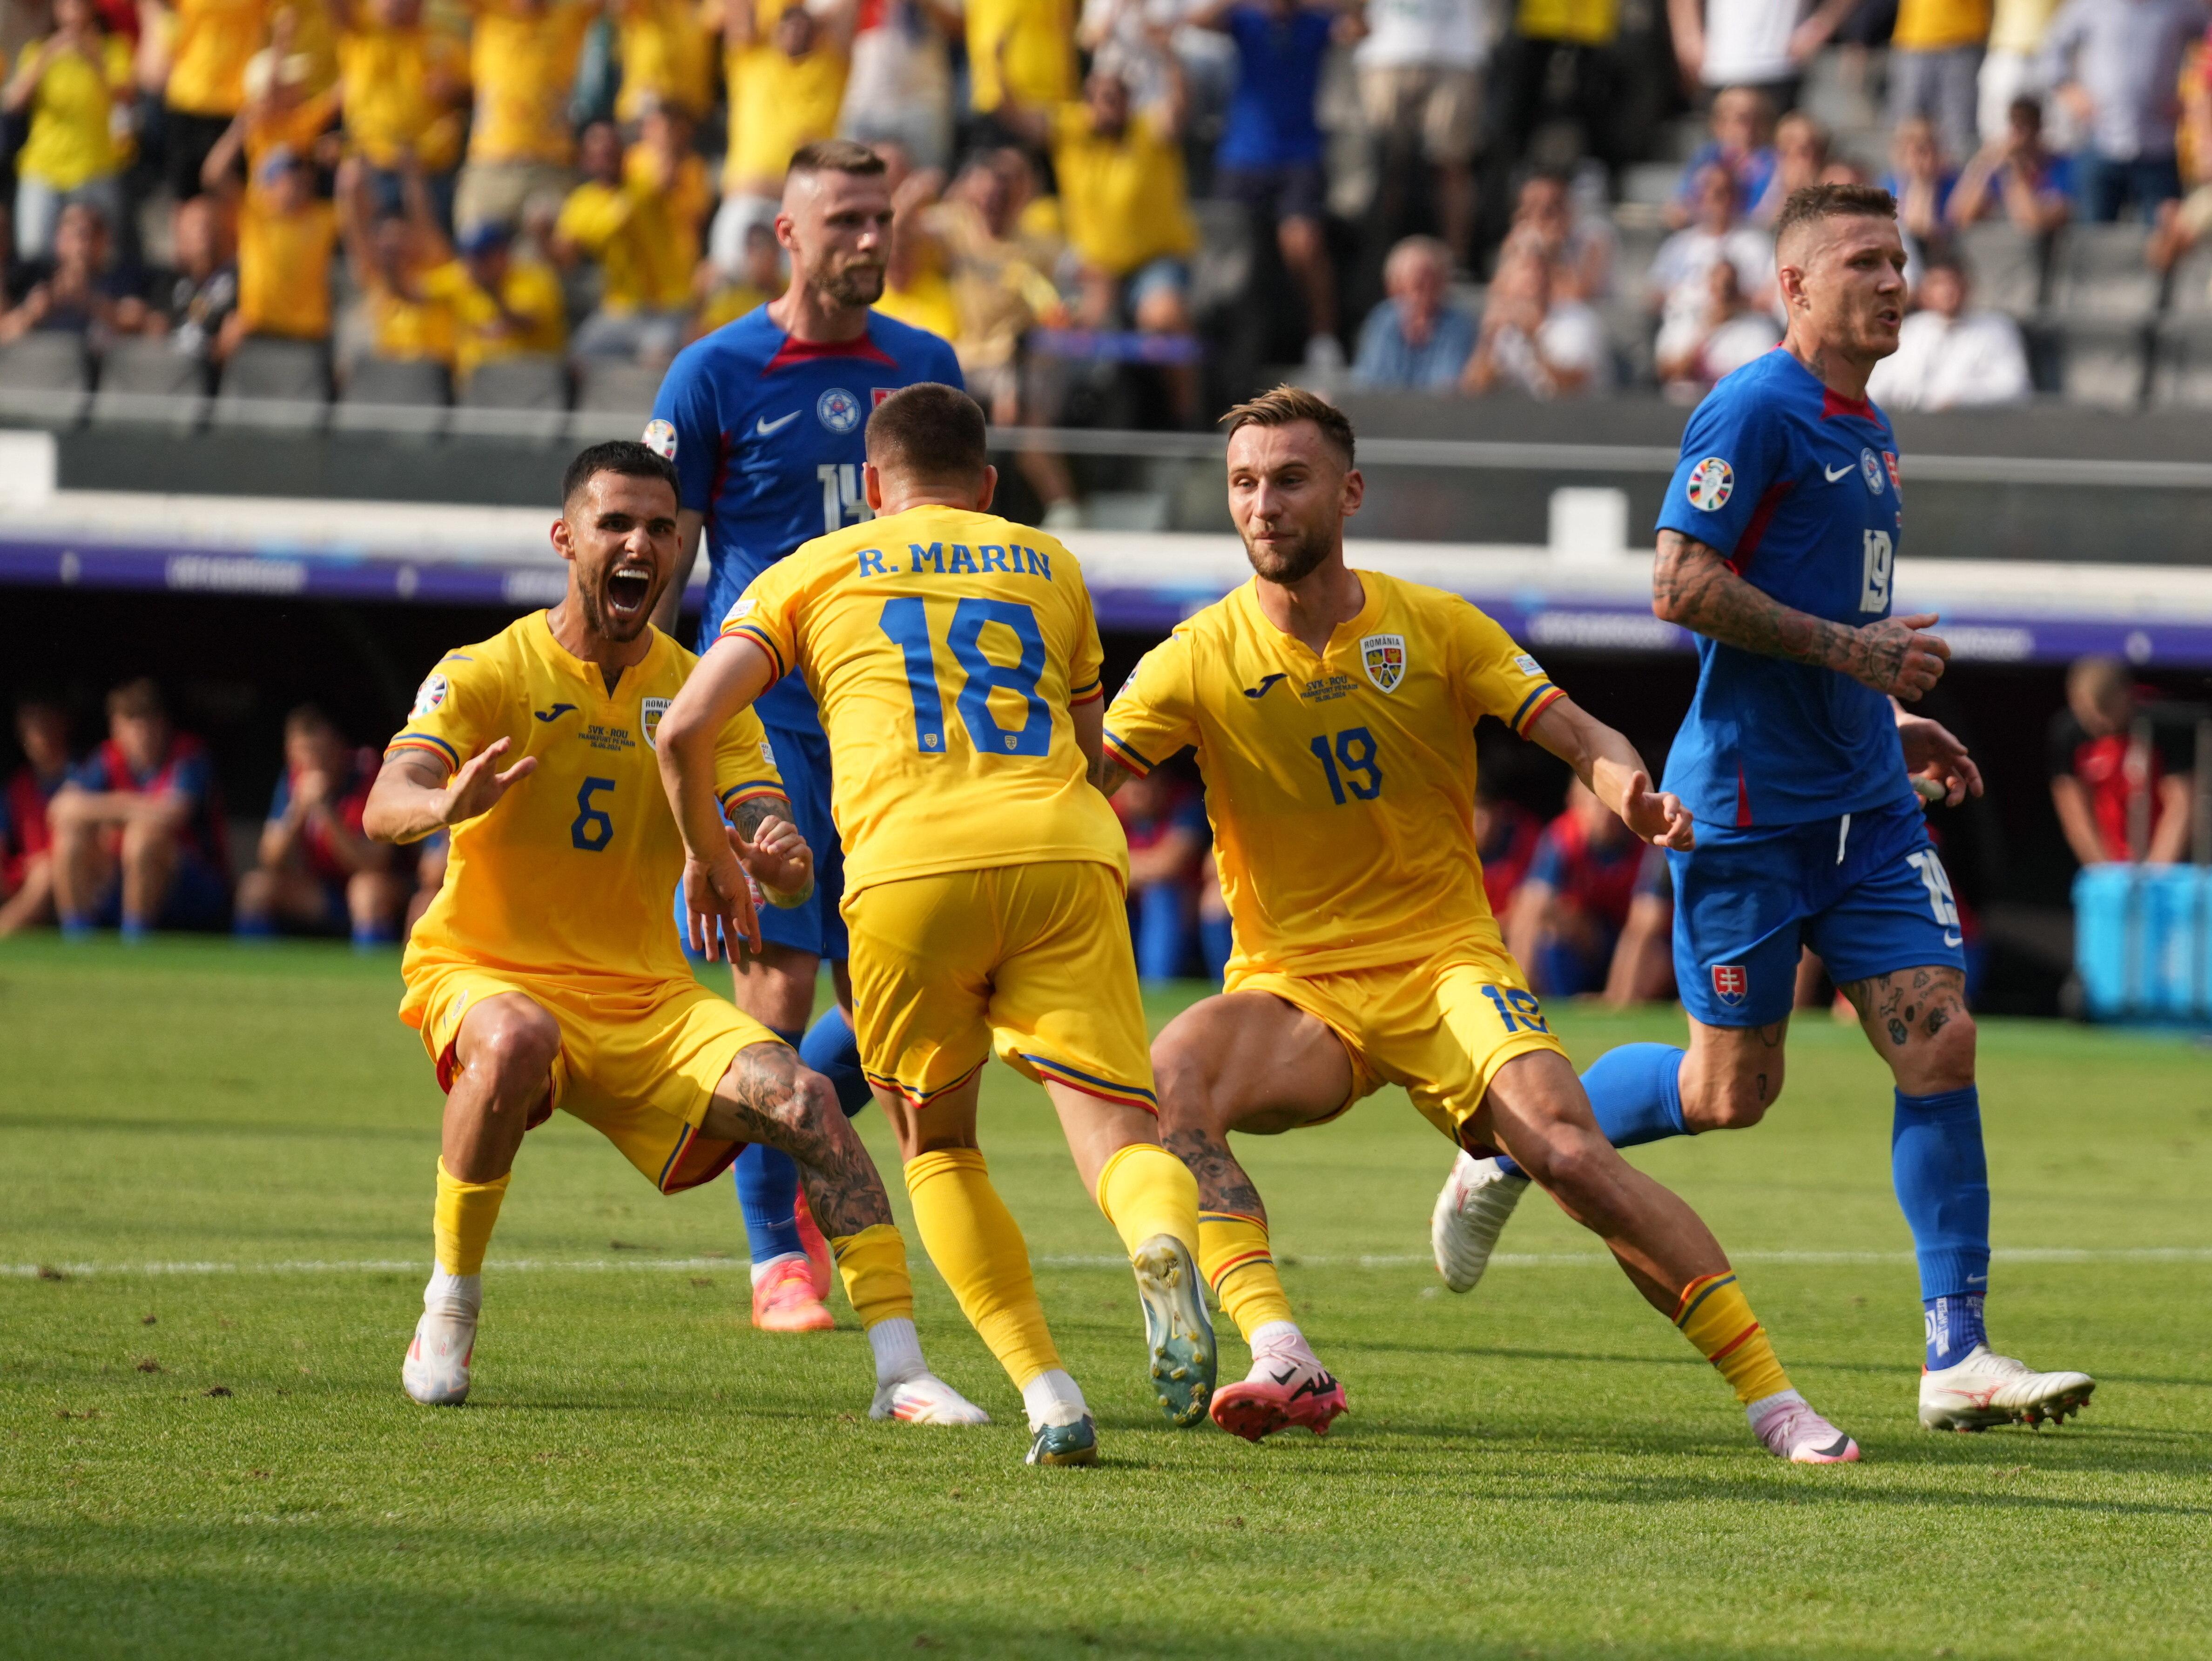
405 85
759 279
75 87
209 43
285 237
388 254
277 115
503 306
625 229
663 164
787 84
1020 51
667 58
522 57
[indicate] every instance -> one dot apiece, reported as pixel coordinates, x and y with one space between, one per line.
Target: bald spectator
1948 357
2121 785
1414 341
1534 341
137 829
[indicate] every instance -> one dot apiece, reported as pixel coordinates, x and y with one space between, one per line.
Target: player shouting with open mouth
1777 545
546 974
1333 714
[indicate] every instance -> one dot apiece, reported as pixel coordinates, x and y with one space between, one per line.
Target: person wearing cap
278 112
503 304
285 236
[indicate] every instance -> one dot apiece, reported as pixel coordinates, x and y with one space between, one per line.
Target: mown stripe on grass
1368 1260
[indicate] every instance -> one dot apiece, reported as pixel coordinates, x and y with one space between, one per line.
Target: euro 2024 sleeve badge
1383 657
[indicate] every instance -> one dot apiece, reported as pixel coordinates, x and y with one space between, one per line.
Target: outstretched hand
779 859
1941 768
477 787
719 909
1895 657
1657 816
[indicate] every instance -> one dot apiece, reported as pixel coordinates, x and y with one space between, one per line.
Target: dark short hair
309 718
837 156
140 698
1287 405
930 431
625 456
1810 203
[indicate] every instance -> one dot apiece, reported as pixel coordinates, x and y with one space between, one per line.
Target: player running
955 661
1777 545
763 419
1333 714
546 974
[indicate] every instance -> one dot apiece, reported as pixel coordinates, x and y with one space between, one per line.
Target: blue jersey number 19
906 623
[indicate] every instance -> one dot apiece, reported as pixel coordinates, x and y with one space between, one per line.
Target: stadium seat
604 386
2181 363
385 393
523 396
2102 271
2190 292
2103 362
45 372
2007 265
144 380
274 382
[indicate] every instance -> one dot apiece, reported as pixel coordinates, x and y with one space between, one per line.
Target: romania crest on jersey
1384 659
648 718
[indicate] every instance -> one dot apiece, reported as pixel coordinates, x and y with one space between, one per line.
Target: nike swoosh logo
1949 939
763 428
1261 691
1835 473
1284 1377
554 713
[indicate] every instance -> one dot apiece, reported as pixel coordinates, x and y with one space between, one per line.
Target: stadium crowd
452 184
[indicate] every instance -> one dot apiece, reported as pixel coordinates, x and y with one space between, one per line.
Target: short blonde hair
1287 405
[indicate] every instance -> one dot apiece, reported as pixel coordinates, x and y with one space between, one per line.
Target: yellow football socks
978 1248
1146 1191
462 1225
1232 1251
873 1264
1715 1316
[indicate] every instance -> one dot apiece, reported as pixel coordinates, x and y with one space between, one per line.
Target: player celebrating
957 664
1334 713
546 974
762 419
1777 545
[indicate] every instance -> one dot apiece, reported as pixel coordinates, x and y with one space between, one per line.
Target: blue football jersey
766 434
1798 488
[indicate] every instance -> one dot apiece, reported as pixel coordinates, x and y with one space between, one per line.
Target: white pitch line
1511 1260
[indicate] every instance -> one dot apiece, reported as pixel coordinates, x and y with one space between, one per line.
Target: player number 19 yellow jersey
1341 786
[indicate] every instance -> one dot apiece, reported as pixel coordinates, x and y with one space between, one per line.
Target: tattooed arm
1692 586
775 852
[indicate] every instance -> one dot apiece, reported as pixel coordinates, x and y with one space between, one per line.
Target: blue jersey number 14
906 622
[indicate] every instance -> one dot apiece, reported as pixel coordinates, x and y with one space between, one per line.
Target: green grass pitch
212 1455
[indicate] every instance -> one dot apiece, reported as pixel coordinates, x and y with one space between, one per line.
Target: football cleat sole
1178 1333
1257 1411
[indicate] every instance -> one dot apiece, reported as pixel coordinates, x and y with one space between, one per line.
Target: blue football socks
1636 1092
831 1049
768 1194
1942 1183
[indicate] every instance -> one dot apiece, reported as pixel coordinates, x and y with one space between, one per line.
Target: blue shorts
803 758
198 898
1866 892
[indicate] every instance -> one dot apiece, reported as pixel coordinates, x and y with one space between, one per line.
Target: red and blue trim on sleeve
1533 706
1089 692
748 789
760 637
429 743
1127 757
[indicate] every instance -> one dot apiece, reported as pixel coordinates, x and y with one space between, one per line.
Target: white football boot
924 1399
1470 1212
436 1370
1988 1389
1786 1423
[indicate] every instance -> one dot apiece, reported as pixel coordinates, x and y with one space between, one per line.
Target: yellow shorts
639 1060
1034 960
1440 1028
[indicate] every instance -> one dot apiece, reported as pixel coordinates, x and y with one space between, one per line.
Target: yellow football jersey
571 875
1341 788
945 648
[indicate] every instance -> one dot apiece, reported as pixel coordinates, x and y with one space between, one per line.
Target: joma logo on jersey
1730 981
648 720
1383 657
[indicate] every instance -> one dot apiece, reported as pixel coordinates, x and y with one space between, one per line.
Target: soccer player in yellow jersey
956 662
1333 714
546 973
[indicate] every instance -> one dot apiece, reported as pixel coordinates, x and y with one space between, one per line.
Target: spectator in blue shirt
1413 341
1165 823
1270 157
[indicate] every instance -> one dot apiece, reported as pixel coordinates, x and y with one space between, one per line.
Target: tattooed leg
769 1096
1917 1022
1732 1074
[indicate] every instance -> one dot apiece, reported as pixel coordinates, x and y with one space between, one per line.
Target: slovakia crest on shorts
1383 656
1730 981
648 718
